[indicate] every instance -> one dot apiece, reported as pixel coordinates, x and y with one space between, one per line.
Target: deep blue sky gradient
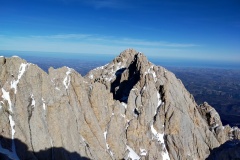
200 29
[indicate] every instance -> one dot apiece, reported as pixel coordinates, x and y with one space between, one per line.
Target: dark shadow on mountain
230 150
23 152
122 89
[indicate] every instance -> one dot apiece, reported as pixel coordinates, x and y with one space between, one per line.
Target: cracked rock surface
127 109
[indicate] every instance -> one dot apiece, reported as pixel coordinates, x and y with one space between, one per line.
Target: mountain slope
127 109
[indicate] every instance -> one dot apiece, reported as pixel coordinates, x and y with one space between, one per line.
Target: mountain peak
127 109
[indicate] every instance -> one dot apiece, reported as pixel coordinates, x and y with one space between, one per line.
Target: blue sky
200 29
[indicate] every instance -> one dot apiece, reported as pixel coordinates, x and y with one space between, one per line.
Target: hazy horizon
106 58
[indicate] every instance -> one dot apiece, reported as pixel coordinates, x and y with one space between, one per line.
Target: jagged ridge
129 108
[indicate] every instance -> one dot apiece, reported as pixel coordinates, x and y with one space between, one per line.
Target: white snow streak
112 73
7 97
33 101
67 79
105 135
124 105
12 154
143 152
12 124
144 88
14 83
44 105
159 102
160 139
150 70
107 146
133 155
157 135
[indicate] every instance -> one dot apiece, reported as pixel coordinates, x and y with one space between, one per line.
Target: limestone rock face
127 109
222 133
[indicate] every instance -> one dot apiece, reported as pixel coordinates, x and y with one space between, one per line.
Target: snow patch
105 135
157 135
33 101
90 76
143 152
12 124
111 153
67 79
144 88
160 139
159 102
112 74
7 97
154 76
22 69
44 105
150 71
107 146
124 105
133 155
12 154
101 67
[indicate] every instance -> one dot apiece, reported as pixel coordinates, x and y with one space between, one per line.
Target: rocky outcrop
212 118
127 109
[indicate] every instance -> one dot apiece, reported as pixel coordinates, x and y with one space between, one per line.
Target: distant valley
219 87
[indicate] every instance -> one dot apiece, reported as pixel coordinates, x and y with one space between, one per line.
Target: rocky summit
127 109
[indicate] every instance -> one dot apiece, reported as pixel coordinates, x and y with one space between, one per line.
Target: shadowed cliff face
228 150
121 88
23 152
127 109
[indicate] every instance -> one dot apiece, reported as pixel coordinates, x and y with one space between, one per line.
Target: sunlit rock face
127 109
